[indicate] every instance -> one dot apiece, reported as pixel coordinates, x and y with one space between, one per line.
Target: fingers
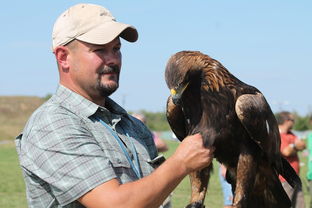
193 154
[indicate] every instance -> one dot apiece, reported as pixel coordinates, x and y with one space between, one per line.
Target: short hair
72 45
282 117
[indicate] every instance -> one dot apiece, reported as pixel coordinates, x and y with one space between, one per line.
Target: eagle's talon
195 205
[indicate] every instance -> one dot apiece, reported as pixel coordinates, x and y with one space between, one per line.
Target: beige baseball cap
90 23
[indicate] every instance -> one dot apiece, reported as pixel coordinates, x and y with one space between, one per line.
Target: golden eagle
236 119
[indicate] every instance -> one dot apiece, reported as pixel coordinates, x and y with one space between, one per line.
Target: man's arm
300 144
152 190
293 148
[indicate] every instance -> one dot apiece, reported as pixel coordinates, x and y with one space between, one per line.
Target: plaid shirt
64 151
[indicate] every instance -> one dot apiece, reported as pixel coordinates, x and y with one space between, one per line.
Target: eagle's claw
195 205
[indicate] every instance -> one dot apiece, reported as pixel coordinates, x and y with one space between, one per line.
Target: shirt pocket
121 166
118 159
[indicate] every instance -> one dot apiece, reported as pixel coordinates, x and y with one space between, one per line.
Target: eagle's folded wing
256 116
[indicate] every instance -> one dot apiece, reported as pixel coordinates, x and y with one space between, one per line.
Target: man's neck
97 99
100 102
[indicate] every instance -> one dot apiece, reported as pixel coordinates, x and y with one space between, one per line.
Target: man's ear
61 54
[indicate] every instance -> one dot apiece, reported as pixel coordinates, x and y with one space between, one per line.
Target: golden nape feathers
185 63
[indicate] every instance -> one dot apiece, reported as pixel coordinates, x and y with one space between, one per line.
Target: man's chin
108 90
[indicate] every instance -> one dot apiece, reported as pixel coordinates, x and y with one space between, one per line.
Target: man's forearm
149 191
155 188
152 190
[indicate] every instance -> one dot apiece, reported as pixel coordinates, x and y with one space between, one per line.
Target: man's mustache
109 69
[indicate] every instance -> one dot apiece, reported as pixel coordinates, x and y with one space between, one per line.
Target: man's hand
300 144
192 154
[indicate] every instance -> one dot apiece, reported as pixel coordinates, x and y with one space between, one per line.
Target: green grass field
12 188
182 193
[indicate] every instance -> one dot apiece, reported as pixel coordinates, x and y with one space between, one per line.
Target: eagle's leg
246 171
199 184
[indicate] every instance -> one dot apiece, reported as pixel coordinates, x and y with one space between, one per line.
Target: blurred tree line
303 123
155 121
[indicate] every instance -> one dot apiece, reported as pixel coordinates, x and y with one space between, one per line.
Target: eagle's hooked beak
176 94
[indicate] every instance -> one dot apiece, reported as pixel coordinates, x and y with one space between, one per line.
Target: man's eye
116 49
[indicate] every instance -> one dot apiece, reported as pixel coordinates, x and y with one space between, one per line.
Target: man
81 149
290 146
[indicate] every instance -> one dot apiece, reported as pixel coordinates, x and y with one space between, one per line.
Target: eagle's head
182 69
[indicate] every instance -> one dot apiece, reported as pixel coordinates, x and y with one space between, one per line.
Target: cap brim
107 32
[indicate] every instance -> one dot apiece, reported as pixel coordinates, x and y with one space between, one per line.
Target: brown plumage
236 119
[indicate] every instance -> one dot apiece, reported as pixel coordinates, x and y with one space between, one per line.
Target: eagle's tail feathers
290 175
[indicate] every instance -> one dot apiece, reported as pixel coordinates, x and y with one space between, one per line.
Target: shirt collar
82 106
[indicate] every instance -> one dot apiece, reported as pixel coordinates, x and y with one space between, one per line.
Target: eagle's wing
256 116
176 119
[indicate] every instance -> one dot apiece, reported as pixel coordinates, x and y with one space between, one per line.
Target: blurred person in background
226 188
290 146
309 172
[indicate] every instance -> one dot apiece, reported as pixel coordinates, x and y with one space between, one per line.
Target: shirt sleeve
59 150
284 141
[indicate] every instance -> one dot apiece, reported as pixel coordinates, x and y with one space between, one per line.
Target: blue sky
267 44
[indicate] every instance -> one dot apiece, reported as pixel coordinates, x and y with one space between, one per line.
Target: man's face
95 68
290 122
